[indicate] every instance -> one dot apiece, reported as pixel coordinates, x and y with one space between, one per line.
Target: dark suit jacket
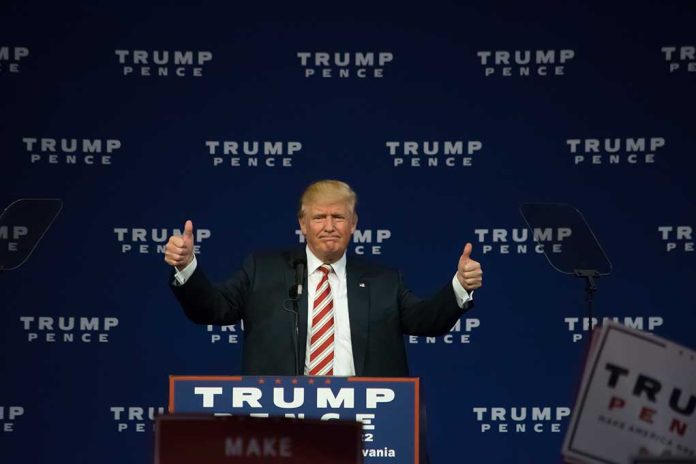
381 310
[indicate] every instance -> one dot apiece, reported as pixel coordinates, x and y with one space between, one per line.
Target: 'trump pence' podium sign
387 407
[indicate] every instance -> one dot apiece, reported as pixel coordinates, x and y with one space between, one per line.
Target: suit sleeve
430 317
219 304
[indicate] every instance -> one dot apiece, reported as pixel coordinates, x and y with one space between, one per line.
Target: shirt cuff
181 276
460 292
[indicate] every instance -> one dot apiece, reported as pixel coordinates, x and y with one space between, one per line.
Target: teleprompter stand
580 253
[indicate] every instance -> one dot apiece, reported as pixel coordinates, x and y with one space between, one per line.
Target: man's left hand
469 272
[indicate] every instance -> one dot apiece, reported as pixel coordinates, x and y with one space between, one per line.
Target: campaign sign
637 398
387 407
194 439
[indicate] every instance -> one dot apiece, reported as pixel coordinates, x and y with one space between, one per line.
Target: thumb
467 251
188 231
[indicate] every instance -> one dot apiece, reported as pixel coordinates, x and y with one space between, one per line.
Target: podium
386 411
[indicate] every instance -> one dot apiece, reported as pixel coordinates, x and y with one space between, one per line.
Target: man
350 320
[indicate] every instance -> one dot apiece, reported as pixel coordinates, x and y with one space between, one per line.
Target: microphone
299 275
295 292
298 287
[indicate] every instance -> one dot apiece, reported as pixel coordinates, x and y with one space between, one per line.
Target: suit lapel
301 305
358 312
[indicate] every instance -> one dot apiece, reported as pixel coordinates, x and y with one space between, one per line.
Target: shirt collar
313 263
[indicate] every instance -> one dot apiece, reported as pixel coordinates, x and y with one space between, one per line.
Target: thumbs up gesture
179 249
469 272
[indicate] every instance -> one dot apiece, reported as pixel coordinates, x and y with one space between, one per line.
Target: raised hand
469 272
179 249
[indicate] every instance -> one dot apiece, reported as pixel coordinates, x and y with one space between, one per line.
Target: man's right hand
179 249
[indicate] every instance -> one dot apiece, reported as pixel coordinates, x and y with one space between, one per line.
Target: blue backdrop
123 111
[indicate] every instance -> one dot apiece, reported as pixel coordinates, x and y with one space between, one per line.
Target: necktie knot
325 268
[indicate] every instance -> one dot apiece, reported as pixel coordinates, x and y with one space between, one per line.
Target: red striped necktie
321 345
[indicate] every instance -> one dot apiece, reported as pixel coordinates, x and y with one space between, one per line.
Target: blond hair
328 191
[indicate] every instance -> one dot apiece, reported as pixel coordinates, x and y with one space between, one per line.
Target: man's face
328 228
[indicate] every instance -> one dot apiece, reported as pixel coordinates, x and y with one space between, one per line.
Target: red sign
189 439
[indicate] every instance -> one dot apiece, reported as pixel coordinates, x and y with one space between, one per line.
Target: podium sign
637 398
387 407
187 439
